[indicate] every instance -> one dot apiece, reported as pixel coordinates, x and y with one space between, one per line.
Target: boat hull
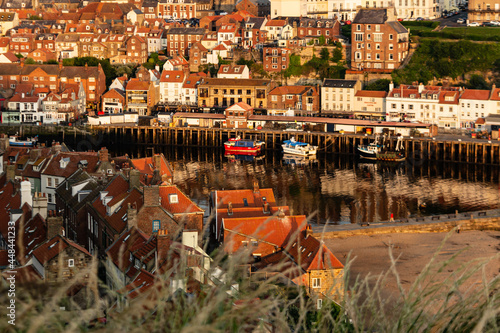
391 156
242 150
20 144
299 152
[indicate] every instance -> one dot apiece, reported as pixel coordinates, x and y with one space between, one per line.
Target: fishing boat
298 148
13 141
379 152
243 146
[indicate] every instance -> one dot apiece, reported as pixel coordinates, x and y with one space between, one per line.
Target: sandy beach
414 252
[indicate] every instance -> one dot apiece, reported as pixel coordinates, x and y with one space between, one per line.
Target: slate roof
186 31
372 16
398 27
79 178
337 83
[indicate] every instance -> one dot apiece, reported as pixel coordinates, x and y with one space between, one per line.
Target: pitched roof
337 83
142 283
192 81
371 93
275 23
136 84
264 229
146 166
53 247
73 159
306 253
176 202
483 95
293 90
172 76
129 241
495 94
231 69
373 16
244 198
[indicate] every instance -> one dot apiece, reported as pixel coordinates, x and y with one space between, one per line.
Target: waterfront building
474 104
431 104
171 83
370 104
226 92
379 42
142 96
298 99
338 96
113 101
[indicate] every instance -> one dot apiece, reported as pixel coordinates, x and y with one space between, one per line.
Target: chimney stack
54 225
134 180
40 204
162 243
230 208
266 209
56 148
157 162
131 216
4 142
103 155
255 186
281 213
10 171
151 195
309 230
26 193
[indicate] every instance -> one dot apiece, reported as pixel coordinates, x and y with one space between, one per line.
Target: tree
30 61
321 40
324 54
478 82
379 85
337 54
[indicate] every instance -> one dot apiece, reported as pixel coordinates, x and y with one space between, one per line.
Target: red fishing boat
243 146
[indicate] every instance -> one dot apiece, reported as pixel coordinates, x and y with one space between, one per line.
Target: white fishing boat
298 148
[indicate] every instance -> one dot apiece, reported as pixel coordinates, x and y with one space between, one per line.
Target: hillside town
283 65
197 57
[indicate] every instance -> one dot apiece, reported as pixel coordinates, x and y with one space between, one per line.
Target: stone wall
488 223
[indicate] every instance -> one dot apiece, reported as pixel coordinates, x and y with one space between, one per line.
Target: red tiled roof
275 23
135 84
293 90
191 81
483 95
53 247
495 96
241 105
371 93
178 61
116 220
35 233
172 76
253 199
145 166
53 168
183 204
231 69
119 251
264 229
11 56
306 250
142 283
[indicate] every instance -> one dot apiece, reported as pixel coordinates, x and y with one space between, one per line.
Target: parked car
419 19
460 21
487 24
495 23
473 24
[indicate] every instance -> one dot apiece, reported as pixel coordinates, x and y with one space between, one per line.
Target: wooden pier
477 152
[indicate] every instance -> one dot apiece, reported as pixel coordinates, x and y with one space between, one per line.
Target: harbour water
335 188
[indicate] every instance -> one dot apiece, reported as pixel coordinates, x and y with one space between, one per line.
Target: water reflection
337 188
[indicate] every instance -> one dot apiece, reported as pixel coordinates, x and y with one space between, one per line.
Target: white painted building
171 84
339 95
292 8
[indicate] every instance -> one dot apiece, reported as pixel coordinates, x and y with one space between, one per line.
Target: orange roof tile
53 247
182 205
371 93
172 76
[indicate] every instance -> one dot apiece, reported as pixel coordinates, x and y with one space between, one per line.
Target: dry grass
447 305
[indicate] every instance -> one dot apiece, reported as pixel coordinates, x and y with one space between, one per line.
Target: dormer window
412 95
173 198
396 95
63 162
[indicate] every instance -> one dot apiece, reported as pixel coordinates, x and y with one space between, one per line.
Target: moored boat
376 152
298 148
13 141
243 146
